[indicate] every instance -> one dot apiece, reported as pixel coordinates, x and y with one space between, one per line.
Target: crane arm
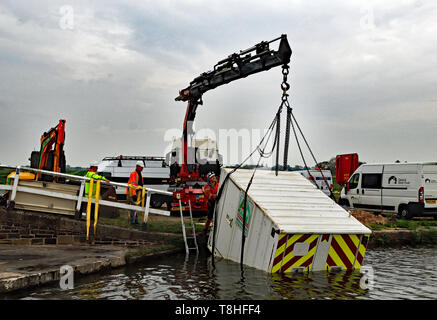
236 66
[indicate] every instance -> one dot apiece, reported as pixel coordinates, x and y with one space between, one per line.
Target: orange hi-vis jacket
133 180
209 191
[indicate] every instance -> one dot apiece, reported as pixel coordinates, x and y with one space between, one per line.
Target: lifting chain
285 86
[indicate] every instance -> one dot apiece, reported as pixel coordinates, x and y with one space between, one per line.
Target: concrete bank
33 247
24 267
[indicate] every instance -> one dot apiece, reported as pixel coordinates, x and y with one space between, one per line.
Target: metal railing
81 197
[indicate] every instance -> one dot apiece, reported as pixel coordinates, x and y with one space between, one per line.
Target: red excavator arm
238 65
51 155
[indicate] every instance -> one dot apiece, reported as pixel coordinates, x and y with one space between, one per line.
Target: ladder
184 233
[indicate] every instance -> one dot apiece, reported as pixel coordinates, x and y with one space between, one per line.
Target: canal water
406 273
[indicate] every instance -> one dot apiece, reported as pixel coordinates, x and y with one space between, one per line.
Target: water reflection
398 274
318 285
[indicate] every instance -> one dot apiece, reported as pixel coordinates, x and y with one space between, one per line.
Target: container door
322 251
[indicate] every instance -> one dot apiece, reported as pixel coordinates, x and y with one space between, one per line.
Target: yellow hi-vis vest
95 176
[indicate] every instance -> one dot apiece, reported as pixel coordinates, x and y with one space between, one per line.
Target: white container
290 225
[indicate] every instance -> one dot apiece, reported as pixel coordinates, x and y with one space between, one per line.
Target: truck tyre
168 203
156 204
344 202
404 212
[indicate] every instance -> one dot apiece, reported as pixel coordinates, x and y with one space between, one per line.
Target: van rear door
430 185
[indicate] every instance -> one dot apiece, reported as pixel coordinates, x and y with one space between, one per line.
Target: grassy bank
405 224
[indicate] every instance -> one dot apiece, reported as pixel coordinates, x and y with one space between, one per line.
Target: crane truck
236 66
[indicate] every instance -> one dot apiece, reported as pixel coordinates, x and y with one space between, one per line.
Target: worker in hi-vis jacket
210 192
91 173
136 180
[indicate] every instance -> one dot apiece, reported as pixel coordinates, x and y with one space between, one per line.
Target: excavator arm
236 66
48 158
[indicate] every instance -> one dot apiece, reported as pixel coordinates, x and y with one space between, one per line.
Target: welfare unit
408 189
290 225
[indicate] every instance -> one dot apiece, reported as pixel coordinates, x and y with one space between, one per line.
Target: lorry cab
407 189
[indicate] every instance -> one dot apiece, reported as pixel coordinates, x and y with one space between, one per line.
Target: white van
317 179
408 189
156 174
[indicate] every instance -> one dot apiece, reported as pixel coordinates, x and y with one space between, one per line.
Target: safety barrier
143 199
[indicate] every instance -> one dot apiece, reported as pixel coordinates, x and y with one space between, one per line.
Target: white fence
81 198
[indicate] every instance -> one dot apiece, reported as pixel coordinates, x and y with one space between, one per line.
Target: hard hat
140 163
210 175
94 164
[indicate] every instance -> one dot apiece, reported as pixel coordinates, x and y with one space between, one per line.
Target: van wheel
404 212
344 202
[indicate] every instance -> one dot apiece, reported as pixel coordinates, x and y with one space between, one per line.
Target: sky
363 75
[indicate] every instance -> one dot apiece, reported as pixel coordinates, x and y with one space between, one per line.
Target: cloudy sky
363 74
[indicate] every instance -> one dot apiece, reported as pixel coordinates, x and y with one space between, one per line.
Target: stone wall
27 228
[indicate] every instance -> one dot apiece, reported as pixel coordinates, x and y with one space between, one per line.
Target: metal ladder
193 236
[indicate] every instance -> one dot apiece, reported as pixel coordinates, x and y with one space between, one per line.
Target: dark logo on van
427 181
398 181
392 178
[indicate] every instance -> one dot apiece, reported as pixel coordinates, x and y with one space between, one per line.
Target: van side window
371 181
353 182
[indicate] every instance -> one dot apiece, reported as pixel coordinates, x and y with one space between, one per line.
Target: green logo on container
249 210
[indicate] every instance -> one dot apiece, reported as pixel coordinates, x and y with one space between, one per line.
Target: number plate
431 201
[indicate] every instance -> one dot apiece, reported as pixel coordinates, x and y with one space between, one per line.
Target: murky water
408 273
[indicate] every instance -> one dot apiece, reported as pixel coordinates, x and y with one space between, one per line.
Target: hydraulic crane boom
236 66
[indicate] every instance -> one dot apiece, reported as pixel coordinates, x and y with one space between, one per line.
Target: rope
314 158
300 150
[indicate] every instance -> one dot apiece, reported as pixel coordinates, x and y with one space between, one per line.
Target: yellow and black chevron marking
346 250
361 251
284 258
